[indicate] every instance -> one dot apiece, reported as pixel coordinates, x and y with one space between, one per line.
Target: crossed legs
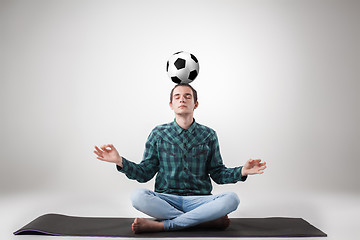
177 212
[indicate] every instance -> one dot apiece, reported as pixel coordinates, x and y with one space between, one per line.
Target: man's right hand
108 153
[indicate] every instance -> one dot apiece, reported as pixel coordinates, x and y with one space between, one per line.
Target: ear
171 106
196 105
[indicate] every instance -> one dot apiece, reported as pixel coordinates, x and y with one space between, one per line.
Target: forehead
182 90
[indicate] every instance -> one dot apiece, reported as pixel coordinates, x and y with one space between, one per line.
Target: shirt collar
179 129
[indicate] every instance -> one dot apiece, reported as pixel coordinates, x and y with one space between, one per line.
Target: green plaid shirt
184 160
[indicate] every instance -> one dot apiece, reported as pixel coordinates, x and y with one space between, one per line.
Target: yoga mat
62 225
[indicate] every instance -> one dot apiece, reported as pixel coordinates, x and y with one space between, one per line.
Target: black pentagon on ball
193 58
176 80
193 75
179 63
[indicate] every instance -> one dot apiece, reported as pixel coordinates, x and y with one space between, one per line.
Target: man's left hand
253 166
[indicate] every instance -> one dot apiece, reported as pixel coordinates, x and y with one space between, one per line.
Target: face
183 101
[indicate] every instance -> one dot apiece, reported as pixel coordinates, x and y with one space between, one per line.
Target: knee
139 198
233 200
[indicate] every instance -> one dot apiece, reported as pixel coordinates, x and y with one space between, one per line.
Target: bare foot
220 223
146 225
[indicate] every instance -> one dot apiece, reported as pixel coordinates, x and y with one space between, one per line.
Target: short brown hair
186 85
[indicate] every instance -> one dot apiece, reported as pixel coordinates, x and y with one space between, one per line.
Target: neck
184 121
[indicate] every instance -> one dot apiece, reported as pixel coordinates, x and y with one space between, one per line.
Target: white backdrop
278 80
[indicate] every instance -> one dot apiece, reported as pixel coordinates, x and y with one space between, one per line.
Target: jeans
178 212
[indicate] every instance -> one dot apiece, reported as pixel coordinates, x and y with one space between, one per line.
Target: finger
262 168
98 149
99 154
112 147
260 165
107 148
256 172
103 147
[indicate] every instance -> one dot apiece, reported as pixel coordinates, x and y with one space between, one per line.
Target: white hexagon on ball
182 67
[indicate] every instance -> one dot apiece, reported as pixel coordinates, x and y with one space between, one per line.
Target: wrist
119 162
243 172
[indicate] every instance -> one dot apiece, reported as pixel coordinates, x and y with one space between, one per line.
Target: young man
184 155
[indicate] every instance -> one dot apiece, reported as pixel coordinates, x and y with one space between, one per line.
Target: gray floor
333 213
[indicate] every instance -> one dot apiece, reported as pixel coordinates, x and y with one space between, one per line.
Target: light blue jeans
178 212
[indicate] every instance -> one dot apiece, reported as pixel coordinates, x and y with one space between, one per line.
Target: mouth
182 106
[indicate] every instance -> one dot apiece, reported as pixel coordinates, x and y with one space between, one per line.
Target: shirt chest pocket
168 153
199 155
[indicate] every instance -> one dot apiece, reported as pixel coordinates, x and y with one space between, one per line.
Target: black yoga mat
62 225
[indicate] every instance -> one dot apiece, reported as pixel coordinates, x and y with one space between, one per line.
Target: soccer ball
182 67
